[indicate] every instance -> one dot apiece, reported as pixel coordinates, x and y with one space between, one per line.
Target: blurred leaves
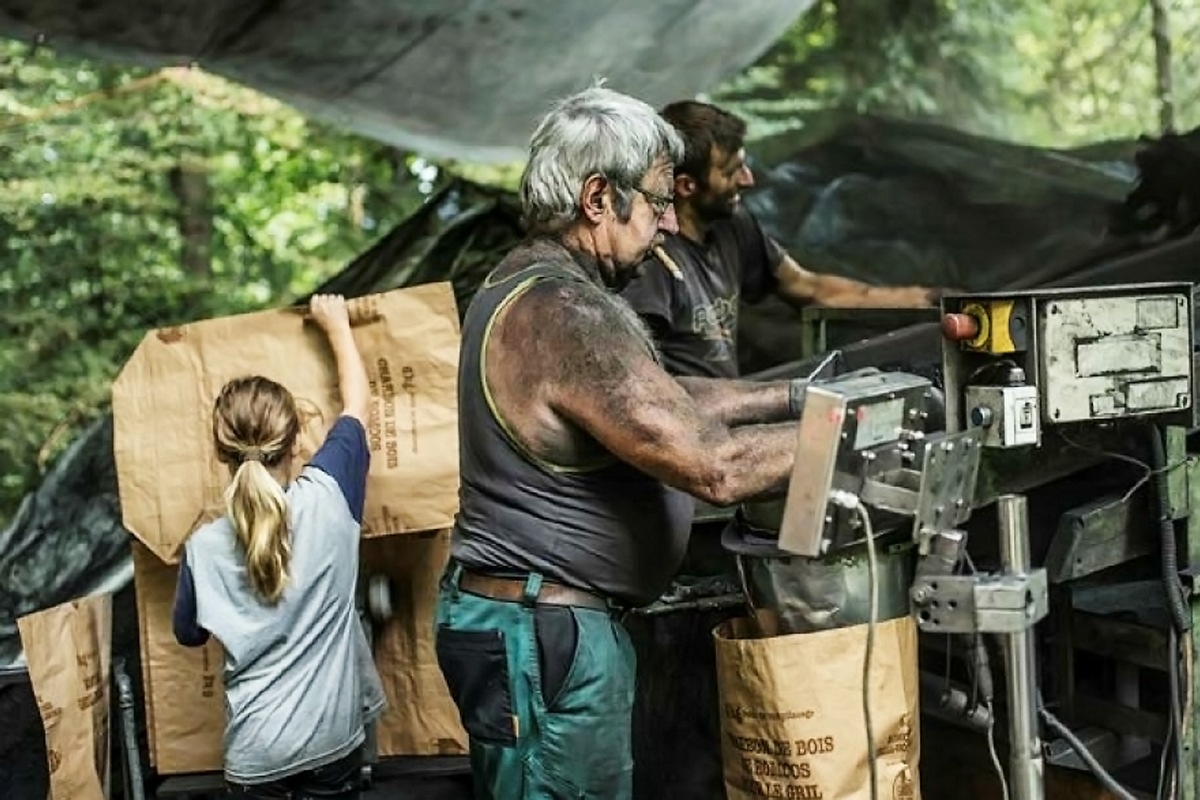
1056 73
90 232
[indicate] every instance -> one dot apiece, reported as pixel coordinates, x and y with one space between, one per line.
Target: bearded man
689 291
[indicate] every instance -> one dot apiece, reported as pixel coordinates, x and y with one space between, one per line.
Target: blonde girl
273 580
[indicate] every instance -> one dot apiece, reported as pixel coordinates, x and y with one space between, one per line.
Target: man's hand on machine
796 391
798 387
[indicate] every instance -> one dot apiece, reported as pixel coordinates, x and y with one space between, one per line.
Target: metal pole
1020 671
370 750
131 763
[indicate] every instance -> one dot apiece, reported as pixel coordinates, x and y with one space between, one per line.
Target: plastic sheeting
66 540
893 201
451 78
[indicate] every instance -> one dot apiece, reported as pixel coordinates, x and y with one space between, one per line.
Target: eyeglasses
659 203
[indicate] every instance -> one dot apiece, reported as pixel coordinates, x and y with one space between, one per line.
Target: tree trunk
1163 84
189 182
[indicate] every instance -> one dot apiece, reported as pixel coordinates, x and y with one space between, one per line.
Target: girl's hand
329 311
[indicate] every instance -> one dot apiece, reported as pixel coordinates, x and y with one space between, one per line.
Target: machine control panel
849 430
1106 357
1008 415
1015 363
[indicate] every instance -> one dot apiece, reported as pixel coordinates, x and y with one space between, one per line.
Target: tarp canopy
882 200
449 78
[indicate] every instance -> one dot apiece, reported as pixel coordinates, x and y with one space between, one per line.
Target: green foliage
1053 73
872 56
91 235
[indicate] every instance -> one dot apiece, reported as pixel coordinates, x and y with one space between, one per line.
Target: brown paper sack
169 478
791 712
420 719
185 702
69 651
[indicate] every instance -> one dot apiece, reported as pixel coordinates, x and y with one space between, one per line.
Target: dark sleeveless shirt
608 528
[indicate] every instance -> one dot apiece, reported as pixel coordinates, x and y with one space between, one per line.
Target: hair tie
252 454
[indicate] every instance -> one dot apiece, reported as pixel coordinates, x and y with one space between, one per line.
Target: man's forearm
734 403
755 461
838 292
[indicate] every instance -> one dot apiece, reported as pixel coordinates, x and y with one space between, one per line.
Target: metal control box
1116 356
1090 354
851 430
1008 415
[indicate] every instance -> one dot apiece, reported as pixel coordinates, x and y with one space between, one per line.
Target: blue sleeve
345 458
187 629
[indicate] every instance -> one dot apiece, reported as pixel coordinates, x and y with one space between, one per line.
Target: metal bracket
985 603
949 468
1097 535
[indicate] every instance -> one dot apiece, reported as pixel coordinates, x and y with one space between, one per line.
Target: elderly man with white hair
579 460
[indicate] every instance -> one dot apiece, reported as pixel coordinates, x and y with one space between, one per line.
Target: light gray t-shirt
299 679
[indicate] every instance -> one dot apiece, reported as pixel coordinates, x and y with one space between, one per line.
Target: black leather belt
551 594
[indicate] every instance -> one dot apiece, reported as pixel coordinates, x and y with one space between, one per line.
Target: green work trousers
525 745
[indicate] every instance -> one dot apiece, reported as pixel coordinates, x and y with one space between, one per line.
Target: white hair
597 131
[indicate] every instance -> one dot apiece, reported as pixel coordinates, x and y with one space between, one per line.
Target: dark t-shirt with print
695 320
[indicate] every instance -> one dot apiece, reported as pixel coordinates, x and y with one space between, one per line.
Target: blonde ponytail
257 506
254 427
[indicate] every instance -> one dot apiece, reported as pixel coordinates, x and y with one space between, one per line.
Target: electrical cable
949 661
1156 473
1176 601
981 668
1163 765
1085 755
872 621
1176 718
853 502
991 740
1149 471
1004 362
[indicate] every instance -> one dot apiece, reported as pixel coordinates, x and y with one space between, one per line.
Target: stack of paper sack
171 482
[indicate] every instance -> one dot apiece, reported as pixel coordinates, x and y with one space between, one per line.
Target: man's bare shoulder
563 360
576 335
574 312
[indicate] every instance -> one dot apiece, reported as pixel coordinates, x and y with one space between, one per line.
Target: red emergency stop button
960 327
